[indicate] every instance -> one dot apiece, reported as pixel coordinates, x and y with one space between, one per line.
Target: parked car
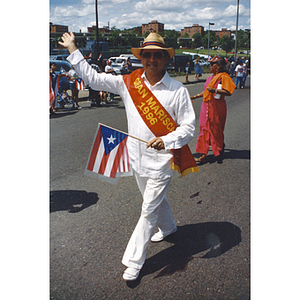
117 60
61 64
59 57
117 68
136 63
179 61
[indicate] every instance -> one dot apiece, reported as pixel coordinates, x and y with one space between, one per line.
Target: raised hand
68 41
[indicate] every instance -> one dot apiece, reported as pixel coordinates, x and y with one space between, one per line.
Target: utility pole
97 30
208 39
236 31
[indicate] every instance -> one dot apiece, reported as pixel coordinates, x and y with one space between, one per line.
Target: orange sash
158 120
227 84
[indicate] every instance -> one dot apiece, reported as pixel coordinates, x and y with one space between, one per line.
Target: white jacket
171 94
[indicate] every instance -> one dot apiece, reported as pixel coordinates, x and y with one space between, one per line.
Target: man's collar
165 80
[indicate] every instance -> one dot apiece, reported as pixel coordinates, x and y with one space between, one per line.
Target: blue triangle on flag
111 138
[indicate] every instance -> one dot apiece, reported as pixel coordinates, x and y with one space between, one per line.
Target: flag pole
134 137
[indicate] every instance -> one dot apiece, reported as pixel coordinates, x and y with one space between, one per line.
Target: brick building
223 32
104 29
153 26
58 28
192 30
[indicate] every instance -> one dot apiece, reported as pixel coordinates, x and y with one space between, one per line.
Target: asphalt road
91 221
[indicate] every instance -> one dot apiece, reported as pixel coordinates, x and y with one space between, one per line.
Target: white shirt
239 69
107 68
72 74
171 94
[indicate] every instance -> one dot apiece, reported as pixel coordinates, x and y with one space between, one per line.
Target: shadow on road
228 154
72 201
202 240
63 113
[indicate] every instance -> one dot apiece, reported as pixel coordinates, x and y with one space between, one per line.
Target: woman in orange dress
213 110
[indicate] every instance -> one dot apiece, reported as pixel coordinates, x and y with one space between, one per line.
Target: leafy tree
114 37
94 36
197 40
227 43
243 39
212 39
171 38
131 39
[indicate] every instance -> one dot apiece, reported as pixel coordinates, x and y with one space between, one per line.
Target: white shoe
131 274
158 236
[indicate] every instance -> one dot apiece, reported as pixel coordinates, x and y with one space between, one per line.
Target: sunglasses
156 55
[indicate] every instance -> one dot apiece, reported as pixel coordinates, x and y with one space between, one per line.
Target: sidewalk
192 78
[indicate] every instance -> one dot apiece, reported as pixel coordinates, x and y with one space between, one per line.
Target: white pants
155 210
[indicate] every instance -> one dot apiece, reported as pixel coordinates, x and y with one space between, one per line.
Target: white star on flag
111 139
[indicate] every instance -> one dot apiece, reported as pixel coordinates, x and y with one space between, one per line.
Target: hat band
153 44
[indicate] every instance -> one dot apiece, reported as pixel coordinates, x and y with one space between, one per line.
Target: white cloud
230 11
151 6
175 14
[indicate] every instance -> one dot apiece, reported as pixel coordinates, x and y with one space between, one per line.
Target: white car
136 63
116 68
117 60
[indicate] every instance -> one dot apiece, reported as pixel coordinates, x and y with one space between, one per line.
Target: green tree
171 38
94 36
197 40
227 43
212 39
131 39
114 38
243 39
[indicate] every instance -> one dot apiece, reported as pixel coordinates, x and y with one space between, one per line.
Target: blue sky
175 14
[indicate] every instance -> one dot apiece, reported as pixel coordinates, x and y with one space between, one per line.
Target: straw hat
153 41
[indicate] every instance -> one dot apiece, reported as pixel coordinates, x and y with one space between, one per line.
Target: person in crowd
187 71
108 67
232 68
159 111
245 73
53 77
104 94
72 78
198 69
239 71
129 65
124 67
213 110
94 96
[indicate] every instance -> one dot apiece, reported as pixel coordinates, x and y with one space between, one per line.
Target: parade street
91 221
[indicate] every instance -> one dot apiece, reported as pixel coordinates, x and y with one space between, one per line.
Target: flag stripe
98 158
105 163
124 161
95 148
117 159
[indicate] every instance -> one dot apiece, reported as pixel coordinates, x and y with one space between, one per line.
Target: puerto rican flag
109 158
64 72
79 84
52 94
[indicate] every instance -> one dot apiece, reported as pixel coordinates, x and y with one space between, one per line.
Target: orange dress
213 115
